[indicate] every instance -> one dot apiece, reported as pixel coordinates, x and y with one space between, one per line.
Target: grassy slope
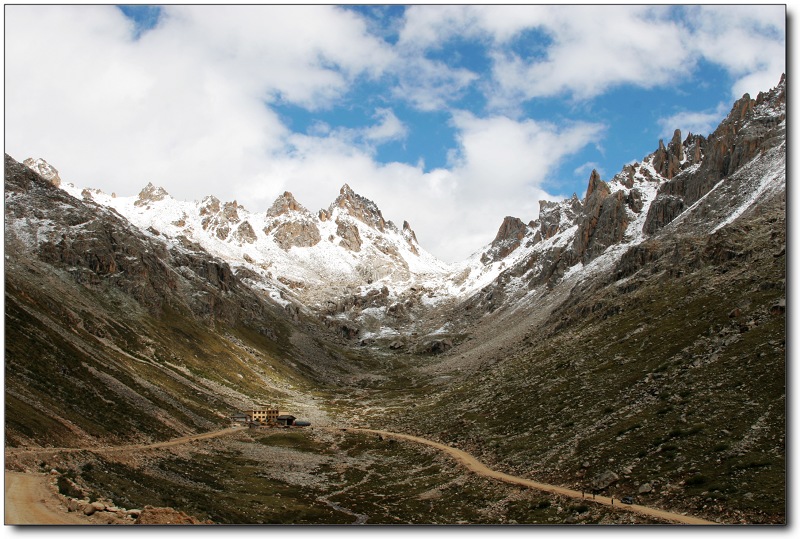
83 362
319 477
655 377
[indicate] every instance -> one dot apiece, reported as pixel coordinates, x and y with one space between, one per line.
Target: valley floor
30 500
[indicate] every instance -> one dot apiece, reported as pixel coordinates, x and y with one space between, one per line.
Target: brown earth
29 500
474 465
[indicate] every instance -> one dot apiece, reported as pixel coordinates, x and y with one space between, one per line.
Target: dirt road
474 465
29 500
132 447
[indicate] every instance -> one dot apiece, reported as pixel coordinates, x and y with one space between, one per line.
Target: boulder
43 169
73 505
779 307
165 515
604 479
645 488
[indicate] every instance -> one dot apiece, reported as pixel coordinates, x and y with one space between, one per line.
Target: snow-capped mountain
287 249
693 185
369 278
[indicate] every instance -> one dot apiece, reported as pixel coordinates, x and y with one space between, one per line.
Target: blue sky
450 117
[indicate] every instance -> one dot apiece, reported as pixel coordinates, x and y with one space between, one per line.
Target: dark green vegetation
673 375
111 337
310 477
659 376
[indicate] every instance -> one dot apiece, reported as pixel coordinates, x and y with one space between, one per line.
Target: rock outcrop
359 207
510 235
43 169
151 193
603 221
349 234
291 224
751 127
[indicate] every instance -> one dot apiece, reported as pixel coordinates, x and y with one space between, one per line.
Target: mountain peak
284 204
359 207
150 193
509 236
43 169
595 183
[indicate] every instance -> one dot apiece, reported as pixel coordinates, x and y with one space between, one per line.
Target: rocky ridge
616 335
361 275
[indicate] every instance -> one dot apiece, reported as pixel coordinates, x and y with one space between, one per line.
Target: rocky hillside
632 341
654 369
111 334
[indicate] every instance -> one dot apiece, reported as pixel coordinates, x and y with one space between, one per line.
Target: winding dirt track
29 499
474 465
134 447
27 495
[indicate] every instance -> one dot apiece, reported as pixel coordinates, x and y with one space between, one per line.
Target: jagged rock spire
359 207
150 193
284 204
43 169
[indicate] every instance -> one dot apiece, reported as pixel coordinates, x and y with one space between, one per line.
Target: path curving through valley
474 465
30 501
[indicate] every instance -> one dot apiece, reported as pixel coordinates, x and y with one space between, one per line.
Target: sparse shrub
721 447
543 504
68 488
583 508
696 480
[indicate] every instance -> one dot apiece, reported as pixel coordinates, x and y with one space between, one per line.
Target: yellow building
265 415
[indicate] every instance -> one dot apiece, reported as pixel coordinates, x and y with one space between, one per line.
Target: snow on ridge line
321 265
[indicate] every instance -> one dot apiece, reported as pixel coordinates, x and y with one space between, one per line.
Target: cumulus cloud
697 122
183 105
194 103
594 48
389 128
748 41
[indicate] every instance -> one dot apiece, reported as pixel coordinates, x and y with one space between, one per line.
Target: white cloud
748 41
429 84
189 104
185 104
696 122
390 127
595 48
